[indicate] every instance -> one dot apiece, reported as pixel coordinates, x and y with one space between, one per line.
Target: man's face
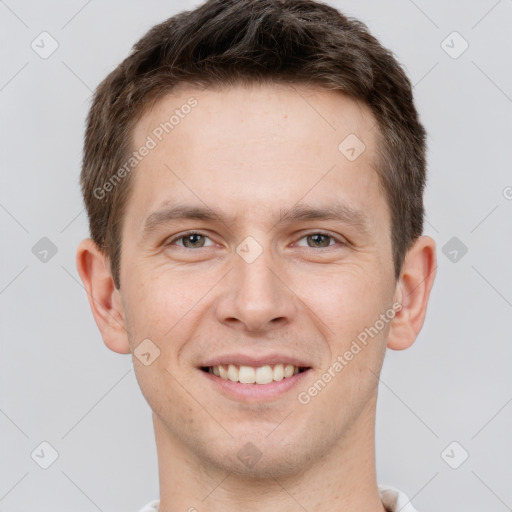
257 282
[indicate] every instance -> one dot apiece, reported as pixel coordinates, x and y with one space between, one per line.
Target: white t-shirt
393 499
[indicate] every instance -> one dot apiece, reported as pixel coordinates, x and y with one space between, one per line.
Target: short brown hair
230 42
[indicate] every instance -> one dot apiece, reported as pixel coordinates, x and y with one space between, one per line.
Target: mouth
254 383
254 375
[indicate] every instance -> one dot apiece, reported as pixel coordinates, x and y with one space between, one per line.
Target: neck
343 479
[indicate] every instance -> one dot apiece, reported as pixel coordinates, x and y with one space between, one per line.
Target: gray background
60 384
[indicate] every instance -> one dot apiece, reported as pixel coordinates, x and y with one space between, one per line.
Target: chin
278 465
260 458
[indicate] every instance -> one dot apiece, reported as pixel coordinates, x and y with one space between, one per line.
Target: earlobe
413 291
104 300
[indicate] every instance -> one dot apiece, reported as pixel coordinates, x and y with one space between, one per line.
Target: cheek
158 313
157 300
346 301
165 307
356 340
166 395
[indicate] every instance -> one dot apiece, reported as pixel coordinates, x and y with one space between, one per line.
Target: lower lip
255 392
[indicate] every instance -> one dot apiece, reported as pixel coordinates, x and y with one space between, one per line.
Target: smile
255 384
254 375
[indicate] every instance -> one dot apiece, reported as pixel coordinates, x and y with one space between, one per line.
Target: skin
249 152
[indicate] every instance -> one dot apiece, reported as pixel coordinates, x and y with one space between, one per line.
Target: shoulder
392 498
395 500
152 506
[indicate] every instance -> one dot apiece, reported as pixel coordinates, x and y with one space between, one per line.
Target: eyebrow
300 212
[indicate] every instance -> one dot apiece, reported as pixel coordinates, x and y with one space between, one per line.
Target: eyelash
188 233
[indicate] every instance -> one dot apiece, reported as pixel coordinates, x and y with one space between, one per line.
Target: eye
321 240
196 240
191 240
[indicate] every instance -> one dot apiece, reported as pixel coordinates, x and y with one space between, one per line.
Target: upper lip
256 361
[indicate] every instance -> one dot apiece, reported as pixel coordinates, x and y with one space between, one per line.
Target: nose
255 296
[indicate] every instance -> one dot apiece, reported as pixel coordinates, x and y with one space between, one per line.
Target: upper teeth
251 375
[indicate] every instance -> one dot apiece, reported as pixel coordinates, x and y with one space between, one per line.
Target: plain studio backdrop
444 414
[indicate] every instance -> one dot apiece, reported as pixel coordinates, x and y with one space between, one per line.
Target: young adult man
253 174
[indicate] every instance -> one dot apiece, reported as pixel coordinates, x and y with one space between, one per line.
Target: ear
104 298
412 292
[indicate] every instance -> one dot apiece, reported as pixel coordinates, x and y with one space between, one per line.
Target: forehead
275 111
253 148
